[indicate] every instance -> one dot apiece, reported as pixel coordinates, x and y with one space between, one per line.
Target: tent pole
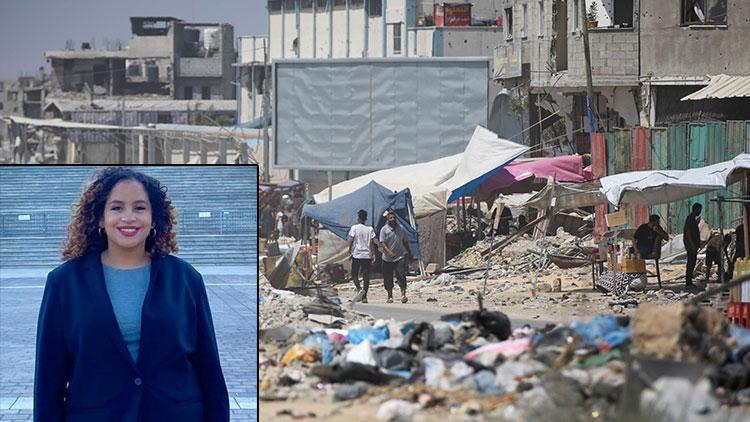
413 222
330 185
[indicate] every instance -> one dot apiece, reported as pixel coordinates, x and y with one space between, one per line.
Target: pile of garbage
680 362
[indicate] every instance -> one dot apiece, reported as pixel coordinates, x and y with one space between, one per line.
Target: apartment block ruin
166 56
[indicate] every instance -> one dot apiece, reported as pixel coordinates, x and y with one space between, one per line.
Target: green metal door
677 140
660 161
716 144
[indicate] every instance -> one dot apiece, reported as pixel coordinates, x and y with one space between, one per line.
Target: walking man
395 248
692 239
361 245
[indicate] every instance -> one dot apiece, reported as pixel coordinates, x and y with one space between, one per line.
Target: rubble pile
474 363
522 255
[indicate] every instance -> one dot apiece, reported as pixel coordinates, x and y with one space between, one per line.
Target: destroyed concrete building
166 56
23 96
254 67
640 52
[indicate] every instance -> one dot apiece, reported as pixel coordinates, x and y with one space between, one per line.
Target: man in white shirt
361 245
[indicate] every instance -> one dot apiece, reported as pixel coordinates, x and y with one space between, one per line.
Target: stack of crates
738 308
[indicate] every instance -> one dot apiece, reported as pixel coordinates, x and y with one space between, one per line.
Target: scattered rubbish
300 352
396 411
350 391
373 335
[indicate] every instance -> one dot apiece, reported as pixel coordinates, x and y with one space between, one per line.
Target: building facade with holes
645 57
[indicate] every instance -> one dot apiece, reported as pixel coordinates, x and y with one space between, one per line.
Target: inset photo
128 293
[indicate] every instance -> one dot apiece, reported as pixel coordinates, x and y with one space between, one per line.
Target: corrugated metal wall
640 159
599 170
677 147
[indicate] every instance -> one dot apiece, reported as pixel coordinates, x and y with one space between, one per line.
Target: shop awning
722 86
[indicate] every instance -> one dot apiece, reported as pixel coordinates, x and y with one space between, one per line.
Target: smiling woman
125 331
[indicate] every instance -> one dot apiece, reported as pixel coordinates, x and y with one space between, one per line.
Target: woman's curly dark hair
83 232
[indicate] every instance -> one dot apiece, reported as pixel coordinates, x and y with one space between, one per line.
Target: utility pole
266 100
587 55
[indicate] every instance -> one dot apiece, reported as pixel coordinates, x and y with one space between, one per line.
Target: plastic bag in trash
350 371
321 344
298 351
350 391
394 359
489 322
420 338
373 335
603 331
509 349
361 353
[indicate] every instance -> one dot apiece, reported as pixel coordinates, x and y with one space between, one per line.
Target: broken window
509 23
188 92
704 12
339 4
623 13
133 68
274 6
206 93
396 38
163 117
375 8
524 25
356 3
306 5
1 106
289 6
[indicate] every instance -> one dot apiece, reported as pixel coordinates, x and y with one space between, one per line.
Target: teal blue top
127 290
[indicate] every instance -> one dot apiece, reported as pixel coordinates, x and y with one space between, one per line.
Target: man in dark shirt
647 239
692 239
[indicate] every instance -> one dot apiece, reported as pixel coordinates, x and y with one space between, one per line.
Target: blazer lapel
94 275
146 314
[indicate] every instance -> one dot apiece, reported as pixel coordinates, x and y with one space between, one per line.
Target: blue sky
30 27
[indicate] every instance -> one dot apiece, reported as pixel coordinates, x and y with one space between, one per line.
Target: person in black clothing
692 240
647 239
739 249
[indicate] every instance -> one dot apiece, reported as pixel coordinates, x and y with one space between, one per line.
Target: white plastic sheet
664 186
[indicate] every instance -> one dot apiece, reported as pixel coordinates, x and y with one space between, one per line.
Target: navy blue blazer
84 372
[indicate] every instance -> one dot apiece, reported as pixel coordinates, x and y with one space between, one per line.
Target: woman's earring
101 232
152 233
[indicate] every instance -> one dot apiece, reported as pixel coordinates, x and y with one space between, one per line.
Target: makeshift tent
339 215
568 168
663 186
430 184
459 174
483 157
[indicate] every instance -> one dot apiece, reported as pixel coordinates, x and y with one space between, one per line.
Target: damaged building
645 57
359 29
166 56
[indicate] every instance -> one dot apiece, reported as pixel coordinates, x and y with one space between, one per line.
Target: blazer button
138 381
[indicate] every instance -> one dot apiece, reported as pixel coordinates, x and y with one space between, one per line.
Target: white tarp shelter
429 182
432 186
662 186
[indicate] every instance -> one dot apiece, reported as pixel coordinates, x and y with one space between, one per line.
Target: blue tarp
339 215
